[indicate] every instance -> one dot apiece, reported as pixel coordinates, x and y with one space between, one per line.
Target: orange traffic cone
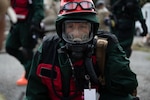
22 81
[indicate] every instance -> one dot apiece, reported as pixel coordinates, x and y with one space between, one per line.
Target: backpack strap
101 46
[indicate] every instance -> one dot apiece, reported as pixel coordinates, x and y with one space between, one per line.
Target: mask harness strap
52 80
53 66
88 66
90 70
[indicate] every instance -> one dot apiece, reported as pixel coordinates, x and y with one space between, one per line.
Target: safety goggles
85 5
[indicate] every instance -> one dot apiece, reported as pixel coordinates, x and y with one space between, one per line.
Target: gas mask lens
77 31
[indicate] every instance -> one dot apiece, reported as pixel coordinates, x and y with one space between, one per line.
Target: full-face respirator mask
77 34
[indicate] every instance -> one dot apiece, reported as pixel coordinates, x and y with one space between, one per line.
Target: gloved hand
37 30
144 27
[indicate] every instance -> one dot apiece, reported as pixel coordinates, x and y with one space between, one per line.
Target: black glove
144 27
37 30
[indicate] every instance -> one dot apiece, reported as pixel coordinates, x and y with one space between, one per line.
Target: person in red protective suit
66 65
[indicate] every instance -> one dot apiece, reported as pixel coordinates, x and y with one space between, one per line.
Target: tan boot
22 81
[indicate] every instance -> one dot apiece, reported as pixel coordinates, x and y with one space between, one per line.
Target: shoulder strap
101 46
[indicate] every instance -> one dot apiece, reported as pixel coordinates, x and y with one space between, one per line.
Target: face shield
77 31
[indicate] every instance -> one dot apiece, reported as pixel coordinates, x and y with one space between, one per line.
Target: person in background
20 41
103 16
69 65
125 14
51 11
4 4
